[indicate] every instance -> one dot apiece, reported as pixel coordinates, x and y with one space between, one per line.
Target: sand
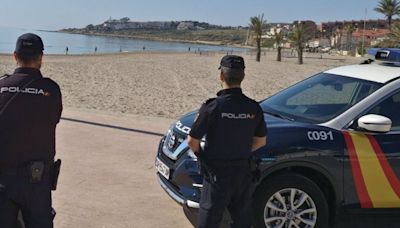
164 84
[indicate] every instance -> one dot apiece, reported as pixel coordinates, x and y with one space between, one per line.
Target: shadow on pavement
113 127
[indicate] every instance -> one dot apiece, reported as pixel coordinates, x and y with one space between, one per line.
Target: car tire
309 206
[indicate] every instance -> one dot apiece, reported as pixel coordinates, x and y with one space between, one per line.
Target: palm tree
278 38
349 29
257 25
393 39
389 8
299 41
394 36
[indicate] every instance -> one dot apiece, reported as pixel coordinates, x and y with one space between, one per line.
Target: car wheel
290 201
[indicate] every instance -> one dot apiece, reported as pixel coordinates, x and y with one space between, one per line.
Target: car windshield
318 99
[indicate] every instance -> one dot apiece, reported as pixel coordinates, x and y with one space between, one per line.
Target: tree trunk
300 55
258 57
279 57
390 22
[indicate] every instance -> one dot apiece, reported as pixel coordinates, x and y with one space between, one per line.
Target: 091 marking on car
320 135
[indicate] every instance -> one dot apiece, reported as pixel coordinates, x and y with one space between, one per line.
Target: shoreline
201 42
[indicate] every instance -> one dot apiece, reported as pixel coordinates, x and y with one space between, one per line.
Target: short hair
232 76
26 59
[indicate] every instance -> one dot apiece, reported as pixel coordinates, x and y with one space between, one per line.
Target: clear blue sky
57 14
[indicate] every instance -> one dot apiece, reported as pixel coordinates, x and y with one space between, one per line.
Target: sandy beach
164 84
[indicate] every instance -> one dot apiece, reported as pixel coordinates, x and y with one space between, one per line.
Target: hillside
187 31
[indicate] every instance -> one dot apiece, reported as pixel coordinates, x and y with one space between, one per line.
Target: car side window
389 108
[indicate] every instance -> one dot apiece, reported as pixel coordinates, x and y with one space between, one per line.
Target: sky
58 14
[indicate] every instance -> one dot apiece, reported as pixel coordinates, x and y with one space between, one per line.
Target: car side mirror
375 123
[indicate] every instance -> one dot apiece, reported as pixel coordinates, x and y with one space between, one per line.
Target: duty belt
227 163
24 169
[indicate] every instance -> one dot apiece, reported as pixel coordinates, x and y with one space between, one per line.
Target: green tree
393 39
395 33
257 25
278 38
299 40
389 8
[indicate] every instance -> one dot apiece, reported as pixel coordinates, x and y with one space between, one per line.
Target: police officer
234 127
30 108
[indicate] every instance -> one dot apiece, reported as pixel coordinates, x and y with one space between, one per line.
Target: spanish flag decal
376 183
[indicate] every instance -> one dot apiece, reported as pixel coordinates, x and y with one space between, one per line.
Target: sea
56 43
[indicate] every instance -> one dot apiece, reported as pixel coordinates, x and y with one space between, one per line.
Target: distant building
341 38
329 28
185 26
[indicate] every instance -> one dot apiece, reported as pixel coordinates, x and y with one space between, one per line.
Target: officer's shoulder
4 76
251 100
210 101
209 104
50 83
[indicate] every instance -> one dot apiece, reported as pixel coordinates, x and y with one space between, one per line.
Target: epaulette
210 100
4 76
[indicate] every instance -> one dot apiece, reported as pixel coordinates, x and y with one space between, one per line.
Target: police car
333 148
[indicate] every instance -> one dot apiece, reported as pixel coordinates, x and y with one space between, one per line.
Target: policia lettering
238 116
24 90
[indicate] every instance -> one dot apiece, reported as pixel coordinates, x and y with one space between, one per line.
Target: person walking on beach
30 108
234 126
66 50
95 49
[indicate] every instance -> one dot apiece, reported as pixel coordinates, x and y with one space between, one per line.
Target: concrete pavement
108 177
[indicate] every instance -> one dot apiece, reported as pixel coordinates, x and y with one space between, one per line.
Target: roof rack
386 55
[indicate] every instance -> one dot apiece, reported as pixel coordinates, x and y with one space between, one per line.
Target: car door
372 170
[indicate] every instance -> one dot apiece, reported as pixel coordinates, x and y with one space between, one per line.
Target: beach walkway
108 177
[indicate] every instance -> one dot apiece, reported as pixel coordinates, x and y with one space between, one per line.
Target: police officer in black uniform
234 126
30 108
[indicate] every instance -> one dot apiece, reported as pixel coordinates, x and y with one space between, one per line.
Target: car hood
283 135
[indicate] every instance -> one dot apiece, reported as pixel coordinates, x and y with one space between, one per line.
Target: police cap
232 61
29 44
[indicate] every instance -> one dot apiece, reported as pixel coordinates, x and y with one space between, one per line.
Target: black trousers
32 199
230 191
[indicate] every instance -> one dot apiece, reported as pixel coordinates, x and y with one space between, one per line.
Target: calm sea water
55 43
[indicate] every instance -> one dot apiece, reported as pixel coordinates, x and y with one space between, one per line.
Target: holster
35 171
54 173
254 163
206 170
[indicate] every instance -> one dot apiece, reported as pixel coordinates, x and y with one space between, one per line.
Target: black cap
29 44
232 61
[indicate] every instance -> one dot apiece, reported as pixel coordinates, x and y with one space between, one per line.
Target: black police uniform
229 122
30 108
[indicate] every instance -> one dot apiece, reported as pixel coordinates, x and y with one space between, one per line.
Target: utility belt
209 168
242 163
36 171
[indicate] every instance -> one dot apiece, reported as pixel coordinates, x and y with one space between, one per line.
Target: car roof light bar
387 55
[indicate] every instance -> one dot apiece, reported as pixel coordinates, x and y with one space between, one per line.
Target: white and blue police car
333 148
